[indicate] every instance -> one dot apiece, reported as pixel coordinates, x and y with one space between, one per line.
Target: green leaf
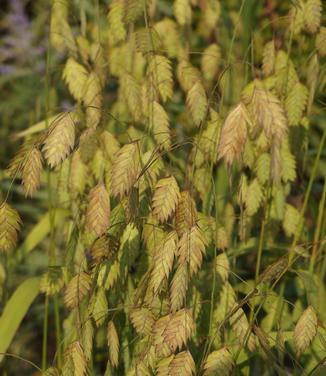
40 230
315 291
42 125
15 310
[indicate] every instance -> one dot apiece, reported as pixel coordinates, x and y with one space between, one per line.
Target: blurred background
24 27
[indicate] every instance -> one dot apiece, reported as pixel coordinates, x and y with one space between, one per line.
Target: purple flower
19 46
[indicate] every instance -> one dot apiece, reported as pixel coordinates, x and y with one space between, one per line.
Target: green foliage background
146 90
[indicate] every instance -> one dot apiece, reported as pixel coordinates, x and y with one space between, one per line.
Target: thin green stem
51 249
262 232
10 355
321 209
45 333
227 317
307 196
212 298
323 266
260 249
57 329
82 18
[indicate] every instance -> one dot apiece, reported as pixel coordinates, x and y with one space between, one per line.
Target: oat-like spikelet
84 48
305 330
132 93
93 100
152 165
276 162
288 172
219 362
167 30
10 223
59 15
181 364
31 172
161 347
51 371
52 281
98 164
164 255
241 327
75 76
297 17
101 249
210 61
79 360
17 163
141 367
182 11
197 103
60 140
98 307
88 144
269 58
210 16
312 15
113 274
165 199
179 287
153 234
234 134
191 248
160 126
186 213
125 170
149 96
188 75
296 102
113 343
171 332
221 238
238 320
147 40
77 289
109 144
143 320
269 114
134 9
321 42
179 329
98 210
254 197
208 140
160 69
263 167
291 219
274 270
87 338
117 29
68 365
222 266
77 175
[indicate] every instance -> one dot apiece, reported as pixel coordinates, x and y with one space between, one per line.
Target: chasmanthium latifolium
176 166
